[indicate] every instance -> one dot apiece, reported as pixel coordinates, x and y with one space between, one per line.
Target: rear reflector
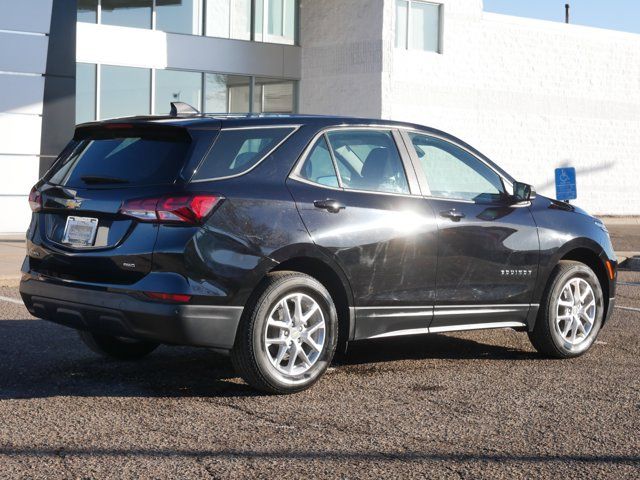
168 297
35 200
192 209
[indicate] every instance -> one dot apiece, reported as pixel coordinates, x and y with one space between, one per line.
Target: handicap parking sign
566 184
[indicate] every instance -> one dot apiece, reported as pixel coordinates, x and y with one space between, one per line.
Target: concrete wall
532 95
342 55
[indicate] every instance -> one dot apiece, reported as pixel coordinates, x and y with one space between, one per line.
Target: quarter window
368 160
237 151
452 172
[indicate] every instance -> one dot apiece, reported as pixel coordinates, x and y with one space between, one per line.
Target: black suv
278 238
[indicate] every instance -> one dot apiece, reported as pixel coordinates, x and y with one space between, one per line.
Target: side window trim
333 159
406 152
422 178
415 161
403 152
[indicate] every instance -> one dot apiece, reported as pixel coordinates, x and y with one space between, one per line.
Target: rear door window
368 160
237 151
129 161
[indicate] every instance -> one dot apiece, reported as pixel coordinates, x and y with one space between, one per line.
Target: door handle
453 214
329 205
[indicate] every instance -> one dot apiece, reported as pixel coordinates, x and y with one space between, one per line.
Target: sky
621 15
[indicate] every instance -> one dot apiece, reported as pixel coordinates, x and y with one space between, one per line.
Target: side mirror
523 192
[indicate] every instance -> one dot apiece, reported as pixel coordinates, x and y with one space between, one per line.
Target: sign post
566 184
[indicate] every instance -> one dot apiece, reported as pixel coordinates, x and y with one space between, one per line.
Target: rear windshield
129 161
237 151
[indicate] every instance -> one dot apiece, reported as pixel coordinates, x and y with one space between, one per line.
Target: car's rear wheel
119 348
288 334
571 313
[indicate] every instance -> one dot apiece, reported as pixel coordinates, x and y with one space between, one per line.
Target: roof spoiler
181 108
133 129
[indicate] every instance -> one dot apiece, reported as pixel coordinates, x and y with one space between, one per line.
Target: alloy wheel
295 334
576 311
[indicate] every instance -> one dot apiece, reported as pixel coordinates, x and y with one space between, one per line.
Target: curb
613 220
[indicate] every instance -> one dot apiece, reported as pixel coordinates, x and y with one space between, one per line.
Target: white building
532 95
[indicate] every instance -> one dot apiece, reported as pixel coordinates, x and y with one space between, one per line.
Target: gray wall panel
21 94
23 53
25 15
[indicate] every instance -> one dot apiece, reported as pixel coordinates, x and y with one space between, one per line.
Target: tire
117 347
555 333
266 365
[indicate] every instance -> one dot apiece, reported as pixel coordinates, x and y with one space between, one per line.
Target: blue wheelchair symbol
566 184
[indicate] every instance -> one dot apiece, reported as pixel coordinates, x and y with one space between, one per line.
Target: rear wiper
95 179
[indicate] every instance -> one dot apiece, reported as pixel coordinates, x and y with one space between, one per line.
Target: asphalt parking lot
468 405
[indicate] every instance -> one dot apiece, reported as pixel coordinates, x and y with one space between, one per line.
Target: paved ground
625 236
12 251
471 405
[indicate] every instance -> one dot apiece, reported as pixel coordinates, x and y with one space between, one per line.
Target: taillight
35 200
169 297
191 208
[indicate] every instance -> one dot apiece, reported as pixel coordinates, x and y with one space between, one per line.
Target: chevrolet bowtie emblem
72 203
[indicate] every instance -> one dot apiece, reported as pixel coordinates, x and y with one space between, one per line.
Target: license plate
80 231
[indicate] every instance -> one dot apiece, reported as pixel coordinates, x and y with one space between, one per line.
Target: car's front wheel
117 347
571 313
288 334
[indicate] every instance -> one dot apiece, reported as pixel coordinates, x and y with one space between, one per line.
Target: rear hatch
81 233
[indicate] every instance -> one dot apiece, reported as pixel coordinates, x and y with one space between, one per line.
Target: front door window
453 173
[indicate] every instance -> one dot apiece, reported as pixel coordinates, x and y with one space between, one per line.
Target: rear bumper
122 314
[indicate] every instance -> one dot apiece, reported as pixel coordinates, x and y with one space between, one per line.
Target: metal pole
566 12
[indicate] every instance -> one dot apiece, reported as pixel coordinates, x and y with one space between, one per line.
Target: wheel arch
580 249
595 262
327 272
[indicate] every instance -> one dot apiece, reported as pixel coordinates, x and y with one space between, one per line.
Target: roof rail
181 108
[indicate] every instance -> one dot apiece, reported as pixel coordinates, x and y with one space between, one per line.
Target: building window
226 93
418 25
85 92
178 16
126 13
275 21
107 91
88 11
124 91
177 86
228 19
273 96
